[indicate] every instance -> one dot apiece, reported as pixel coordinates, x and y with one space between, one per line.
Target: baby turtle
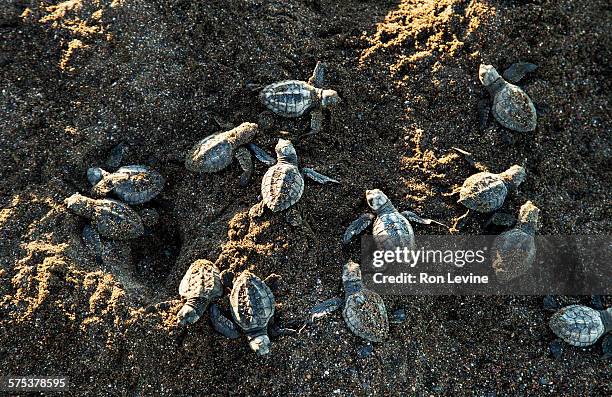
363 310
512 108
580 325
283 184
391 226
216 152
134 184
252 306
293 98
514 251
200 285
112 219
486 192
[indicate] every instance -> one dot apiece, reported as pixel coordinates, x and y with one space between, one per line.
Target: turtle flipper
257 210
322 309
484 110
357 226
317 177
318 75
261 154
411 216
222 324
274 282
93 242
316 123
518 70
606 347
116 156
246 163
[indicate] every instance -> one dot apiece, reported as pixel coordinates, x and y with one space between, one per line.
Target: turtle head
376 199
79 204
514 176
329 98
528 216
245 132
487 75
285 151
260 345
187 315
95 175
351 278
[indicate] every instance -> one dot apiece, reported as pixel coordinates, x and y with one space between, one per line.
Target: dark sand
79 77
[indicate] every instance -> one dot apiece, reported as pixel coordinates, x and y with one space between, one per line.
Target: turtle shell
136 184
513 254
282 186
289 98
513 109
483 192
116 221
202 280
252 302
393 230
211 154
366 316
577 325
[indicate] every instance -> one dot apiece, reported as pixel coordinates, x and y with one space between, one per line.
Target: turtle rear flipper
518 70
222 324
357 226
261 154
246 164
484 110
606 347
317 177
318 75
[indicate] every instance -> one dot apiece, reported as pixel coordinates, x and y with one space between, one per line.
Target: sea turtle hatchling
391 227
133 184
511 107
486 192
112 219
363 310
581 325
293 98
216 152
514 251
200 285
283 184
252 306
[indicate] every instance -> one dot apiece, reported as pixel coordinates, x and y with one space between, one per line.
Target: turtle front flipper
357 226
322 309
257 210
261 154
191 311
411 216
518 70
317 177
246 163
222 324
318 75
